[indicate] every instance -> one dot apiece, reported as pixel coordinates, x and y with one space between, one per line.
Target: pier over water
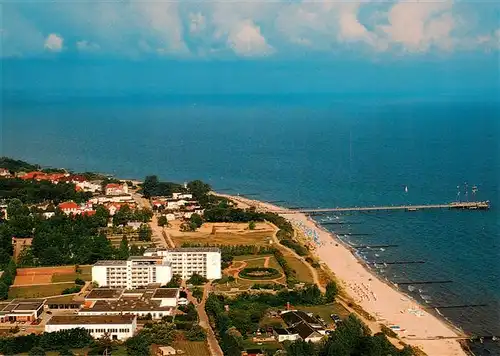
478 205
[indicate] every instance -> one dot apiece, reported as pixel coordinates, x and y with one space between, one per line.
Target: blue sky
320 45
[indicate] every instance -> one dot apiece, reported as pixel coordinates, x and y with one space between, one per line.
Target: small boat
406 189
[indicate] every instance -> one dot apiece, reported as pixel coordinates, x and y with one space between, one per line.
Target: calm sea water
321 152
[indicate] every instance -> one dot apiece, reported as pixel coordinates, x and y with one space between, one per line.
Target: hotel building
205 261
137 271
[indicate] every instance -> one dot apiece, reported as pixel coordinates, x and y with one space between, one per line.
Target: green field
303 272
86 275
38 291
272 346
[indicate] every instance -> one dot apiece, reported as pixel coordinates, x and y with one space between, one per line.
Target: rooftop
184 249
126 305
22 305
90 319
104 293
304 330
296 316
281 331
111 263
147 258
165 293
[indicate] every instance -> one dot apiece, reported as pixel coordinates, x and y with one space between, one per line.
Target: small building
118 327
5 173
293 317
67 302
163 350
306 332
116 189
69 207
21 310
282 334
168 297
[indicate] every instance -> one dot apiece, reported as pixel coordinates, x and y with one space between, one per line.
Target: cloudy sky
361 37
252 28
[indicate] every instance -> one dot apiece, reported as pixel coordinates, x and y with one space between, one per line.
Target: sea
325 150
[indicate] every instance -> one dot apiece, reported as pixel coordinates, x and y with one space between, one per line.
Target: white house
118 327
282 335
116 189
182 196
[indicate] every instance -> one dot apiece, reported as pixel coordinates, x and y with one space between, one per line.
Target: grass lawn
300 267
324 311
191 348
86 275
268 345
38 291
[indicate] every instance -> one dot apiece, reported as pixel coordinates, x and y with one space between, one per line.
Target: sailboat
406 189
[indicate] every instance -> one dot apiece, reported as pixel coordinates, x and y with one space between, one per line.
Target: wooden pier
479 205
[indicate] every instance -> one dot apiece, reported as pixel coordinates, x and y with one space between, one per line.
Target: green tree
26 258
251 225
139 344
4 290
197 279
196 220
331 292
162 221
175 282
198 189
123 250
197 293
301 348
150 186
66 351
37 351
145 233
196 333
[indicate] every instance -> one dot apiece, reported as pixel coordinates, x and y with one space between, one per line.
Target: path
204 322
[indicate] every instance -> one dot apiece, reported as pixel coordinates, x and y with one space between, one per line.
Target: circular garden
259 273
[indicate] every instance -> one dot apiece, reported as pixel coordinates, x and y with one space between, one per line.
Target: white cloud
198 22
86 46
247 40
54 43
416 26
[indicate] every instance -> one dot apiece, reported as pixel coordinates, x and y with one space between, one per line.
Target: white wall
98 330
99 275
213 265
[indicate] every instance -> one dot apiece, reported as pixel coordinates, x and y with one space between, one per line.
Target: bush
72 290
196 333
259 273
197 293
80 282
197 279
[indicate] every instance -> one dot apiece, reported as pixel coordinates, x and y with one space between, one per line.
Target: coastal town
128 267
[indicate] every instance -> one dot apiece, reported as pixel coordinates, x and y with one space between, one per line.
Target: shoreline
380 298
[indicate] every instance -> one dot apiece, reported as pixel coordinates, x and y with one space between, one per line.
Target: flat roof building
157 302
118 327
205 261
137 271
21 310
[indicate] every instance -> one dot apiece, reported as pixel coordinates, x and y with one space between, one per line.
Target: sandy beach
417 327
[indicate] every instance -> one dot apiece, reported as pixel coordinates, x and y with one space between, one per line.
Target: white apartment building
118 327
137 271
205 261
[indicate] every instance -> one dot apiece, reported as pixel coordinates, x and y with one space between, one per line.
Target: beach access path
390 307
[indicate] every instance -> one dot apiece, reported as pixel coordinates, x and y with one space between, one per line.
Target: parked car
335 318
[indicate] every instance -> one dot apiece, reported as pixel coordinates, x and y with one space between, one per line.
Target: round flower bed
259 273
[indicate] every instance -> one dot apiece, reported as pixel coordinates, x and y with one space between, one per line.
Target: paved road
204 322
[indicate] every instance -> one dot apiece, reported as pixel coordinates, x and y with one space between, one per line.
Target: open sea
322 151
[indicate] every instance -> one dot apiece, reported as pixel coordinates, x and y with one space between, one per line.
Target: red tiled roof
88 212
113 185
68 205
